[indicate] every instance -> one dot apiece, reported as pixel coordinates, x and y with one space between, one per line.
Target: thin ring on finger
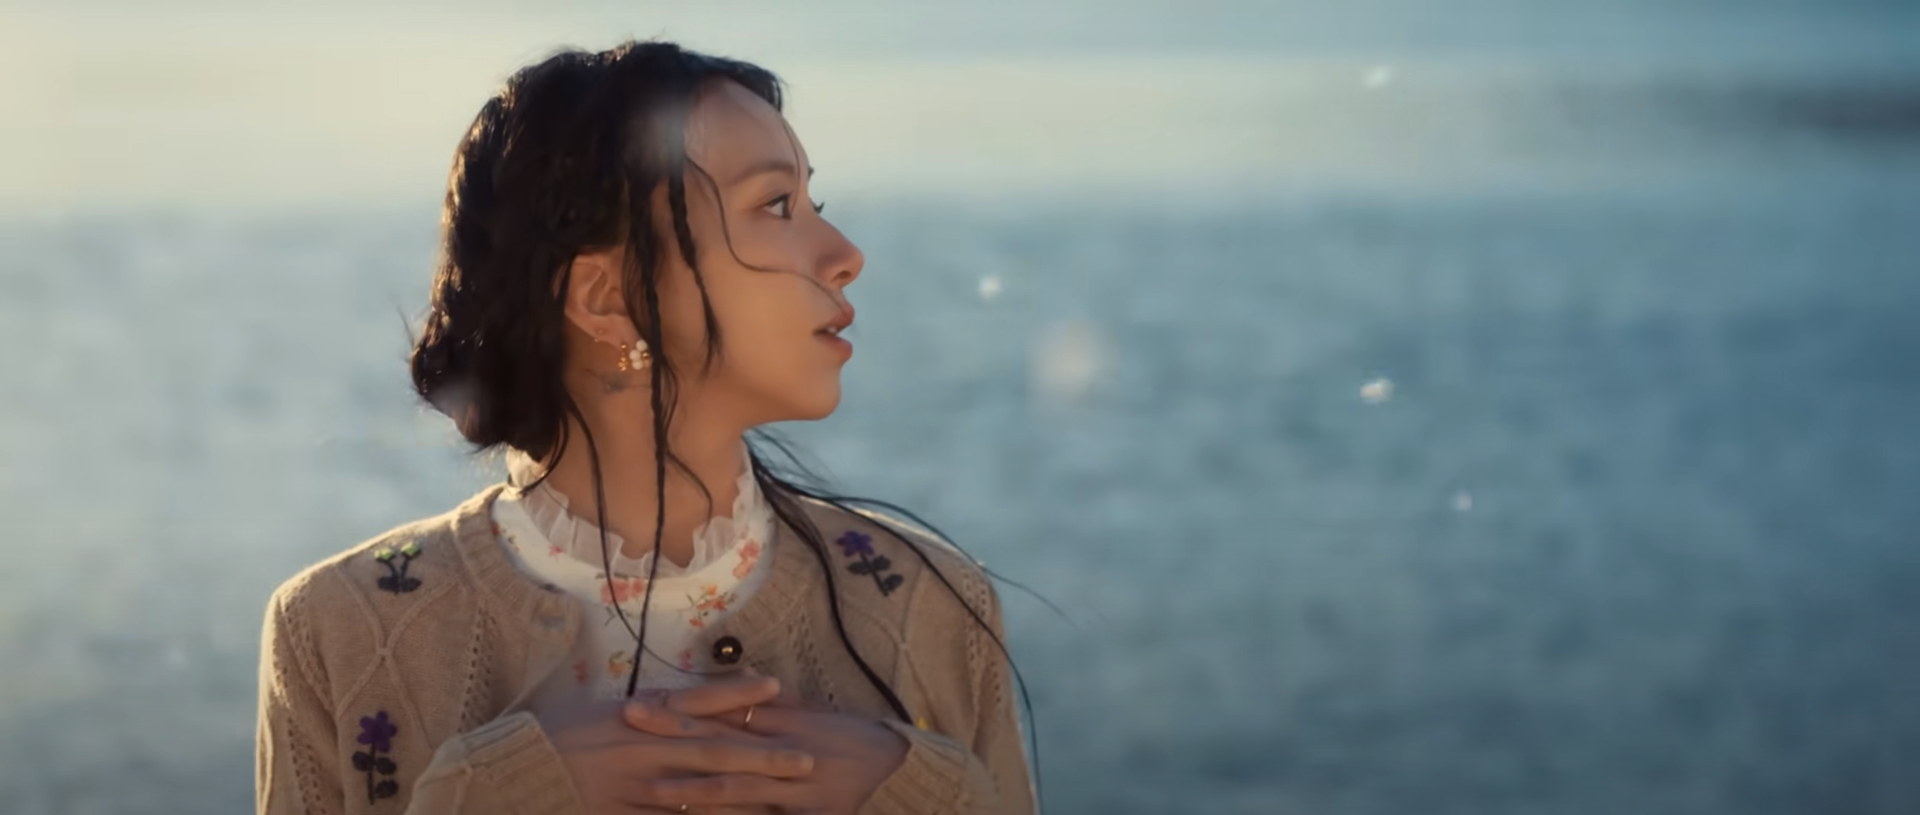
749 719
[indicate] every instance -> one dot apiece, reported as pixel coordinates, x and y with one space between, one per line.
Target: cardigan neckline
555 616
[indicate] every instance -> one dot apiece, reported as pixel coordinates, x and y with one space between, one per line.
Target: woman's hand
852 755
620 768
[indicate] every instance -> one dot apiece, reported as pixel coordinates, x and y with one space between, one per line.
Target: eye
785 203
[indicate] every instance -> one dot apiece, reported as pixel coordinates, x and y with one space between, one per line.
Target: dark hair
562 160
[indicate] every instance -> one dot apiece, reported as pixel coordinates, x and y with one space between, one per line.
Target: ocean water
1578 498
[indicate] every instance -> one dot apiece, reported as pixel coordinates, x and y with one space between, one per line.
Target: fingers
714 756
786 696
704 792
720 697
770 720
661 722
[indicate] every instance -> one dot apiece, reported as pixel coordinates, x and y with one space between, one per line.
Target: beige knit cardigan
408 694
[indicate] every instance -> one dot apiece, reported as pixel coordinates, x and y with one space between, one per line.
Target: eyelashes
785 202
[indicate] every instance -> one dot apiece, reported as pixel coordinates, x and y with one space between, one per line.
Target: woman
634 278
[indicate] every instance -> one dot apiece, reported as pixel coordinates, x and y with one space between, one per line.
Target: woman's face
776 364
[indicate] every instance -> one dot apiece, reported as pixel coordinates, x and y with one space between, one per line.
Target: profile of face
774 270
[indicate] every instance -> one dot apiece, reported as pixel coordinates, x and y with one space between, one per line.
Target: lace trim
720 536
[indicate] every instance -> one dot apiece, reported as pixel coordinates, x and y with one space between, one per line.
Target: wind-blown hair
564 160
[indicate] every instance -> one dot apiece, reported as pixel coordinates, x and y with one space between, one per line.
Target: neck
623 434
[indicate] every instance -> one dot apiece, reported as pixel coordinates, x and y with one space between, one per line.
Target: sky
230 104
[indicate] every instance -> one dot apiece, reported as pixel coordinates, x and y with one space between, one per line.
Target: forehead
731 129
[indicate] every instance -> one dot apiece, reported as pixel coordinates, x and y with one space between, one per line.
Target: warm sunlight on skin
775 364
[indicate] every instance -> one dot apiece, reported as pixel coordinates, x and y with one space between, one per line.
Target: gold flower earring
634 357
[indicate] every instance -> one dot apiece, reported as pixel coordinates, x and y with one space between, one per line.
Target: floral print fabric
728 566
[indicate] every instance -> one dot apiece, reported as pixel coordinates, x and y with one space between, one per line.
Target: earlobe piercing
635 357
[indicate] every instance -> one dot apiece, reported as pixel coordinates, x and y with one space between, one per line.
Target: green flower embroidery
396 580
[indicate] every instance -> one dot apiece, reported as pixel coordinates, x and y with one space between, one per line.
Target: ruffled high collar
750 518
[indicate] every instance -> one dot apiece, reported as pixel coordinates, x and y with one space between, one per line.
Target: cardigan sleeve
504 767
943 776
999 741
294 766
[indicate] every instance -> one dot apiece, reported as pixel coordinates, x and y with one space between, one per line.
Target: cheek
765 320
757 241
683 314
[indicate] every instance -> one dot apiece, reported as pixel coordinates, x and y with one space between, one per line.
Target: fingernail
636 711
801 762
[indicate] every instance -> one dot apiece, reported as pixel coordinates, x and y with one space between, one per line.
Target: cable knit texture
416 701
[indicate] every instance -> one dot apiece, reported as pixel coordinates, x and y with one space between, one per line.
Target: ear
594 298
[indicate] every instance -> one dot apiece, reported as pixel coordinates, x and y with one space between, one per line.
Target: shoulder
396 562
941 612
891 559
351 601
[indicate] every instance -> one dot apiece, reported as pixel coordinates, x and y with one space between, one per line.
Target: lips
838 324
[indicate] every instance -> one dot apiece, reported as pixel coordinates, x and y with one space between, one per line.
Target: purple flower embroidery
857 544
377 733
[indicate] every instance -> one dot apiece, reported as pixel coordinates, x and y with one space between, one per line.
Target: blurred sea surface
1590 496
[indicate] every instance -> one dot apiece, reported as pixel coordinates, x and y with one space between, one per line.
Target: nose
843 260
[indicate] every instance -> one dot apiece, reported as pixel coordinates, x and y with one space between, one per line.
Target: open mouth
832 330
831 336
829 333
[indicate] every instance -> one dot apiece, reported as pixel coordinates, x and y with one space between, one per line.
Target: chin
817 404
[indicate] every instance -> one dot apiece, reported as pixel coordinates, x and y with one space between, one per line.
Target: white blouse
554 546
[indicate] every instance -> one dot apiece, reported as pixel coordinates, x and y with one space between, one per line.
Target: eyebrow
772 165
